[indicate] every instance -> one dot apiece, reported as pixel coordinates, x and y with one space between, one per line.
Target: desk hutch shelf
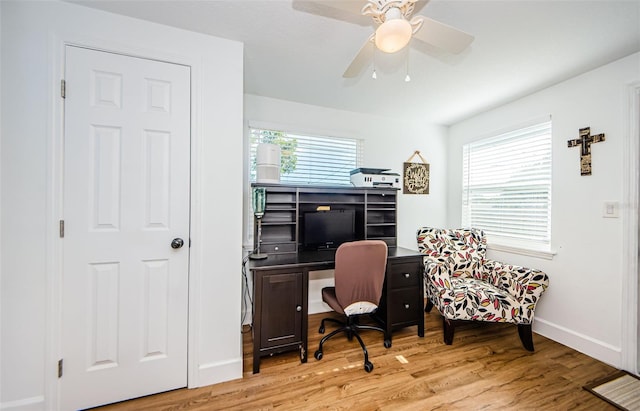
375 208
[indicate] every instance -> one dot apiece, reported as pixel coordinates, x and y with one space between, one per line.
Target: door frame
54 205
630 241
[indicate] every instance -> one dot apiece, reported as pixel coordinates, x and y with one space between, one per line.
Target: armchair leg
448 329
526 336
429 306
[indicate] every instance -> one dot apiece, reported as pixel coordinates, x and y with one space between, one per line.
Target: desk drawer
404 274
404 306
278 248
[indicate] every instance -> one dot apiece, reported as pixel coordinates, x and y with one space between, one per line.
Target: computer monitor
328 229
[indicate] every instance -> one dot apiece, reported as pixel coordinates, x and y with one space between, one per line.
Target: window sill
546 255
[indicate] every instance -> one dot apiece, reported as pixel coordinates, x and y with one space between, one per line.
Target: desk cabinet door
281 310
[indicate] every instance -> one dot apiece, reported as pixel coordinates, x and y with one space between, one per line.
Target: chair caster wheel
321 330
387 343
368 367
318 355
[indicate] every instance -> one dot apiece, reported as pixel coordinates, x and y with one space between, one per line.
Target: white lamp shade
393 35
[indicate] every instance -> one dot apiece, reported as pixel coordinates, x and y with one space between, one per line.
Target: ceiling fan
395 27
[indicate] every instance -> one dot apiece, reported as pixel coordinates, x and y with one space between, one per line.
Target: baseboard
318 306
217 372
26 404
592 347
317 281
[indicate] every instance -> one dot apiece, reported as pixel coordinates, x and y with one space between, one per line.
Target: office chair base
368 367
351 330
321 329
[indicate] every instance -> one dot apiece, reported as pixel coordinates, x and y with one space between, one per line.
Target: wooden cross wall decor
584 142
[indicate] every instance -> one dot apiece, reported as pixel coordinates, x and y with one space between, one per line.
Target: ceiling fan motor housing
378 9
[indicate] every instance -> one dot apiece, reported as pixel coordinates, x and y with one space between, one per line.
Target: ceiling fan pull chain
374 75
407 78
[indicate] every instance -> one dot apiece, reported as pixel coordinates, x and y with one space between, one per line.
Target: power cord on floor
246 296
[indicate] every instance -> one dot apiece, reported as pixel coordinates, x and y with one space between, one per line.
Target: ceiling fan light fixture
393 35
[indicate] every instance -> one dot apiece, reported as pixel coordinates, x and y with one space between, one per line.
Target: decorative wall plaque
415 176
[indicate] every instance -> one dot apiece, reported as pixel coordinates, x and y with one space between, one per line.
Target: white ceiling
520 46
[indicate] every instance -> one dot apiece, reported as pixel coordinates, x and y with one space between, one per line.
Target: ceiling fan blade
361 60
442 35
344 10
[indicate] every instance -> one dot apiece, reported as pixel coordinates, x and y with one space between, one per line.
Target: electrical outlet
611 209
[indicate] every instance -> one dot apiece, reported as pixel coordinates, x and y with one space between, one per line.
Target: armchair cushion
473 299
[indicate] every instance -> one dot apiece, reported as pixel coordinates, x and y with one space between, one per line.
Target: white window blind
309 159
507 187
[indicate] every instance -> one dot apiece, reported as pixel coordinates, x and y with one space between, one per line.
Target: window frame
527 244
328 137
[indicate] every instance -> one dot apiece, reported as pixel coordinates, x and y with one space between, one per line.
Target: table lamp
258 199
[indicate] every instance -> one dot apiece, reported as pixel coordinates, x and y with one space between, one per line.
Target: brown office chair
359 278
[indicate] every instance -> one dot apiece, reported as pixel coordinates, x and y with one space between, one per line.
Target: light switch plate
611 209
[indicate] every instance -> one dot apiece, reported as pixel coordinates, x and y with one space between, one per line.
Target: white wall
582 307
388 142
33 34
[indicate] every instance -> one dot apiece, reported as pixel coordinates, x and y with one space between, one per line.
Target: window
507 187
308 159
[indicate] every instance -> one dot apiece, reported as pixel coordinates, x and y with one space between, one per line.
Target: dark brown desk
280 296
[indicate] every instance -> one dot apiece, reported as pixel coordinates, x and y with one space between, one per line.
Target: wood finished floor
486 368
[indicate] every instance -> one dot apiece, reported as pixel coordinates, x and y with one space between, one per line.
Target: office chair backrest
359 272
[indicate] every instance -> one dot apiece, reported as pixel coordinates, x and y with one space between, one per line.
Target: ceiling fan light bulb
393 35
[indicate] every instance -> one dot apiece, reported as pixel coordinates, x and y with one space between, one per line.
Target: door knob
177 243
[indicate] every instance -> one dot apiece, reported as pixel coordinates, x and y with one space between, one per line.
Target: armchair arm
526 284
437 272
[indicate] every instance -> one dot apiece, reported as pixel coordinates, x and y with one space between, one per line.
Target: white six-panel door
126 198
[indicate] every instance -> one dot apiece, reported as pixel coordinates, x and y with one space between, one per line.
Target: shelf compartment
280 206
381 217
279 197
381 206
278 233
278 216
383 230
333 198
376 198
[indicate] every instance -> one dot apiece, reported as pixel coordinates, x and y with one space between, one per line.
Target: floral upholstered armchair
464 285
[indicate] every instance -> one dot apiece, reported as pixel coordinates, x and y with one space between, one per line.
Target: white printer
375 177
